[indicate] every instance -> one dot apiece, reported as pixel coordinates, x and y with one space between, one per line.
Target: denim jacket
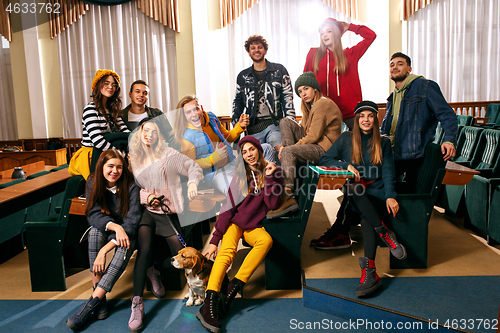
422 106
278 93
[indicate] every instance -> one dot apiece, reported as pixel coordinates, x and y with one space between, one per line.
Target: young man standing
263 92
138 110
419 102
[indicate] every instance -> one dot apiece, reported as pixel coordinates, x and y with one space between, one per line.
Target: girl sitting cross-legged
368 155
113 211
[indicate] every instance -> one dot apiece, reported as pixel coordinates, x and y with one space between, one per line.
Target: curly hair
256 39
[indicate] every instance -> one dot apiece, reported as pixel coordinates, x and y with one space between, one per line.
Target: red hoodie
348 93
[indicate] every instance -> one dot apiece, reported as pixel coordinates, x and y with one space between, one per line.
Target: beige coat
322 125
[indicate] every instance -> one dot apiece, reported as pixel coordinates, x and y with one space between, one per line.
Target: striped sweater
94 125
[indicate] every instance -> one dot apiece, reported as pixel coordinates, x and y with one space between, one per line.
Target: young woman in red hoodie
335 68
249 199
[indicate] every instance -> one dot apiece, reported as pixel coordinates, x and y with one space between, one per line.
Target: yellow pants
80 162
261 243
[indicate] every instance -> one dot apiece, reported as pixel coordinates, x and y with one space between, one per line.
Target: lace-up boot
208 314
397 249
370 280
135 321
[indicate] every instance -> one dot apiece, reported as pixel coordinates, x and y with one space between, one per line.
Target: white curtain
290 28
8 124
123 39
456 44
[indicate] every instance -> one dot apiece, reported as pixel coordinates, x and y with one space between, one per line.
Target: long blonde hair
180 119
244 183
375 142
139 153
337 49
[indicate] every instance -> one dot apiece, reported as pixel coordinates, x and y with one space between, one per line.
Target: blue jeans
270 138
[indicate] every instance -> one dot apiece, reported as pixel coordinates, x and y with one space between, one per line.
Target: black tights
366 204
144 243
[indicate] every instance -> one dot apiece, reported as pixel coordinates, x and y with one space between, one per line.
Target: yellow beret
103 72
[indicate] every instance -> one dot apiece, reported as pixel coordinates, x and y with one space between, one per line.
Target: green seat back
486 150
433 161
465 120
438 136
467 141
492 112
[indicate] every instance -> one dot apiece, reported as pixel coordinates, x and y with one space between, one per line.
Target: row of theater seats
492 112
477 148
13 224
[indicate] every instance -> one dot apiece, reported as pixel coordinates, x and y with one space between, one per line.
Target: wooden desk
457 174
22 195
202 203
9 160
206 202
29 169
481 121
331 179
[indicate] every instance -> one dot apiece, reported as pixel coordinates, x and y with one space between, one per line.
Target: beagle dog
197 269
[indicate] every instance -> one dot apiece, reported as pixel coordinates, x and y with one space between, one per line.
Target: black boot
235 286
370 281
77 320
208 314
389 238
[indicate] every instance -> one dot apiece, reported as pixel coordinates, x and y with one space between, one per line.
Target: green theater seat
411 224
48 240
282 263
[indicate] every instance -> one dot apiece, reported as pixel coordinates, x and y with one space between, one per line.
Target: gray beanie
306 79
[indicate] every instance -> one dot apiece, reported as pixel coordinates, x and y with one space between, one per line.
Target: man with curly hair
263 92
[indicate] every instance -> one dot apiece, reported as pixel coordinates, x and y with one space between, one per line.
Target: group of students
259 180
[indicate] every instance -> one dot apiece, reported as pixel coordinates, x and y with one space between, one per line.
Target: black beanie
366 106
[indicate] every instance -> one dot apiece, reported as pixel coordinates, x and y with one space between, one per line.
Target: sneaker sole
72 326
292 208
102 316
333 247
368 292
210 328
139 329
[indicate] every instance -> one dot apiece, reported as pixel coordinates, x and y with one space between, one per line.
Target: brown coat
322 125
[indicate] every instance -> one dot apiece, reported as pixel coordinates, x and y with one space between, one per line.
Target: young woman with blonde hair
157 169
335 68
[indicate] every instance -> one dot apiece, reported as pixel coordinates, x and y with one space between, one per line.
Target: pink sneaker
153 278
135 322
